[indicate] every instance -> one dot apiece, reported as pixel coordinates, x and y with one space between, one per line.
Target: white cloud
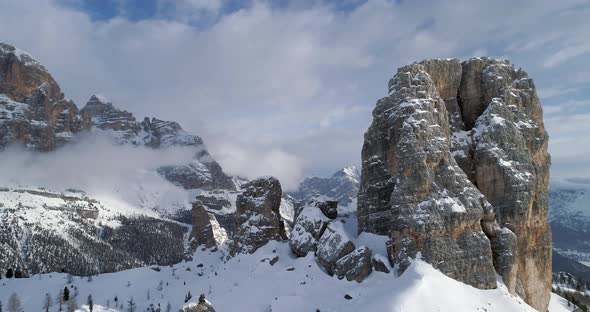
93 165
277 78
250 162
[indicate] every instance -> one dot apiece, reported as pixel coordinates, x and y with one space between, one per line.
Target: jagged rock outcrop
457 150
308 228
257 216
203 306
202 172
329 208
356 265
206 230
33 110
332 246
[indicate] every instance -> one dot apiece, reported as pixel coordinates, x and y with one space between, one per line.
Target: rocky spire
454 165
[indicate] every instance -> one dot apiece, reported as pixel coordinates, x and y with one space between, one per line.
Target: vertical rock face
455 166
33 110
206 230
257 215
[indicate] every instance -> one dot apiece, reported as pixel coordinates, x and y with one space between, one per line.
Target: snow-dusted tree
0 305
47 303
69 278
14 304
131 306
168 307
160 285
9 273
108 303
72 305
66 295
90 303
148 296
89 278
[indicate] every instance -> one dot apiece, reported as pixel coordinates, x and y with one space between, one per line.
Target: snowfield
251 283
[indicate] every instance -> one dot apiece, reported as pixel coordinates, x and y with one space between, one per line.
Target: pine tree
9 273
168 307
14 304
66 294
0 305
18 273
187 297
47 303
131 306
90 303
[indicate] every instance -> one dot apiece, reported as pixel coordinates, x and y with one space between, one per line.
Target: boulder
206 230
329 208
380 264
257 216
203 306
357 265
307 230
332 246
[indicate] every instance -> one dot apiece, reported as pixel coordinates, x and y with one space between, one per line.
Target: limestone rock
257 216
380 265
357 265
412 188
456 155
33 110
203 306
329 208
332 246
206 230
307 230
504 249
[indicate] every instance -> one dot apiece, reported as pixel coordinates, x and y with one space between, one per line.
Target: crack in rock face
455 170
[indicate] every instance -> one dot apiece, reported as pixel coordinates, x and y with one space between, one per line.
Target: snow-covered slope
342 186
253 284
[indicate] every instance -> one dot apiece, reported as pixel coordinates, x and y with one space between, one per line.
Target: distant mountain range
342 186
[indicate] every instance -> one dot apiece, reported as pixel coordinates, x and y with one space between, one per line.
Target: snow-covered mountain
52 220
342 186
569 216
151 229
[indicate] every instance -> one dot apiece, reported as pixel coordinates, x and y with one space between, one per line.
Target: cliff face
33 110
455 166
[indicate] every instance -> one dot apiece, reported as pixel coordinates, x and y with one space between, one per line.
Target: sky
287 87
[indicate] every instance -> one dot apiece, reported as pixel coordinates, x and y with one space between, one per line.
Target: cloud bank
296 81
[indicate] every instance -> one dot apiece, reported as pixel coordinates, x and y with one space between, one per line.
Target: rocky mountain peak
455 166
342 187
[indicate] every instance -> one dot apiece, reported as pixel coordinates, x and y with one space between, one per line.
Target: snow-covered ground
251 283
